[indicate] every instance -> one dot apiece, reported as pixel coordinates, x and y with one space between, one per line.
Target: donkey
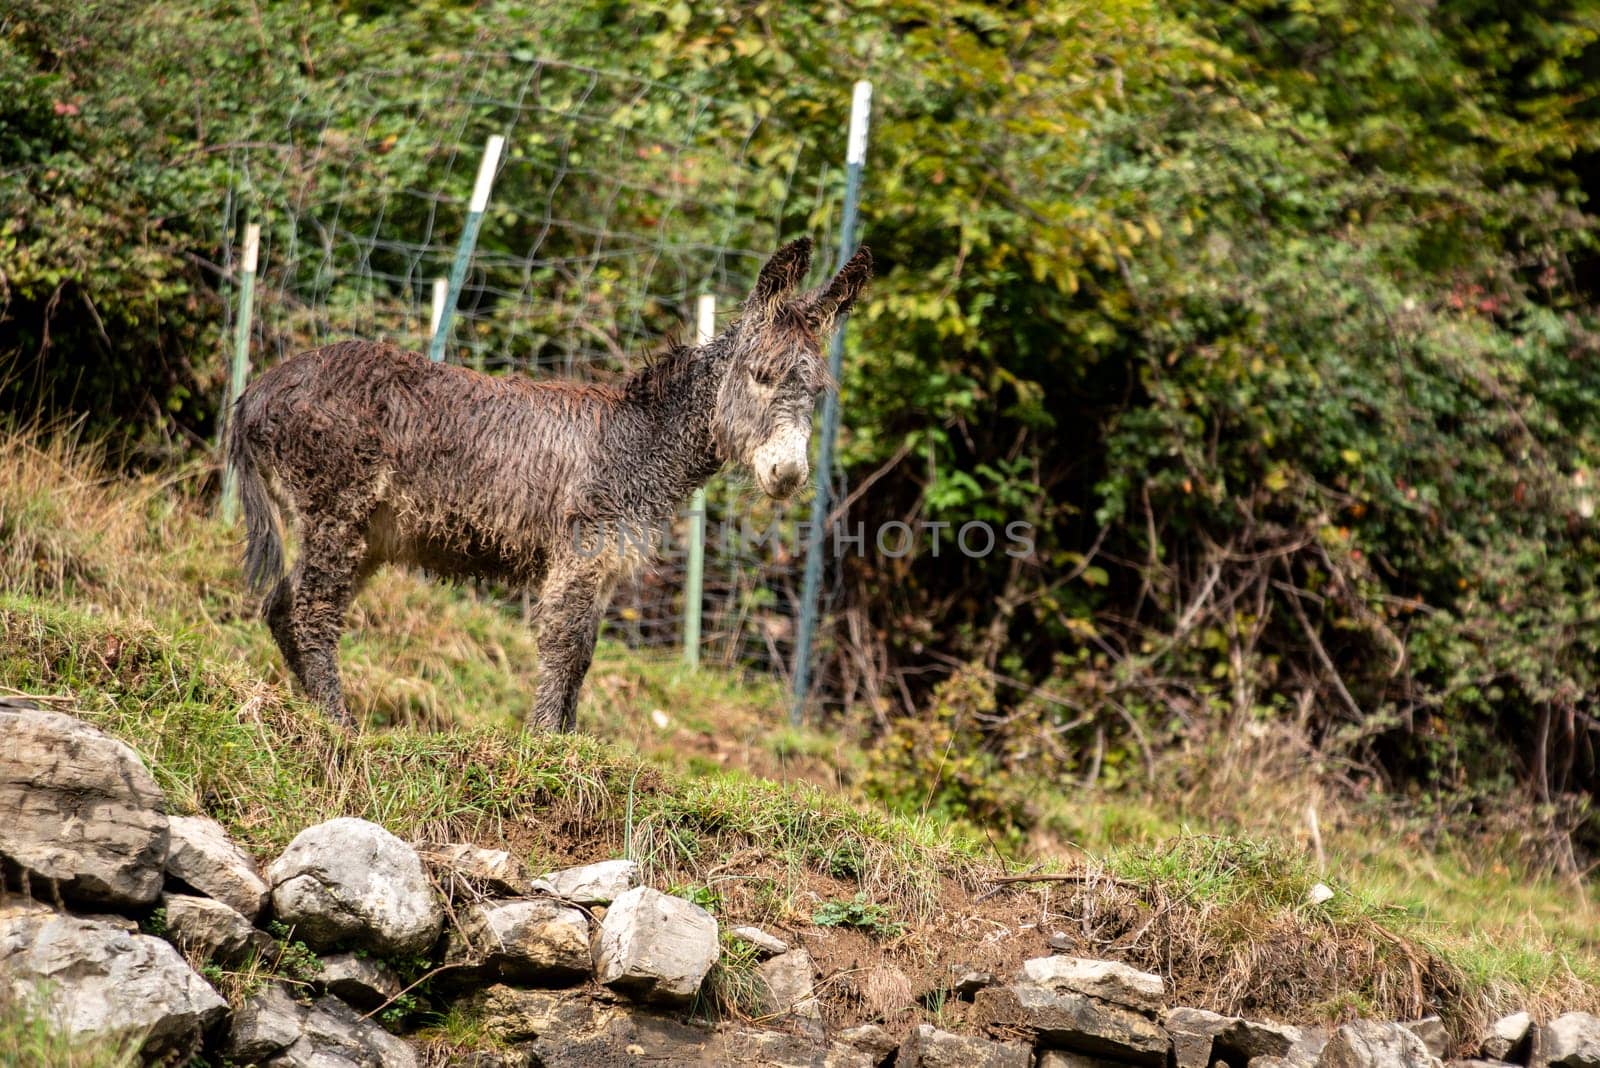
379 456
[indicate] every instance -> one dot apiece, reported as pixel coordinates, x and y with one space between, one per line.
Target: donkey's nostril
786 476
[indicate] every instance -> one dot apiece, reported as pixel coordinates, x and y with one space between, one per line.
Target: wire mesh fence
618 202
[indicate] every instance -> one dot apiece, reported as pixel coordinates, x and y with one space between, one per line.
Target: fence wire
619 200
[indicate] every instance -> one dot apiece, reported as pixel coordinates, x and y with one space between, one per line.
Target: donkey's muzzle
781 479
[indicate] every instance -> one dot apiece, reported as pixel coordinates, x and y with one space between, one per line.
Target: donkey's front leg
569 615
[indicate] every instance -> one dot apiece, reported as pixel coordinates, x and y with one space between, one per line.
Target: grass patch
28 1038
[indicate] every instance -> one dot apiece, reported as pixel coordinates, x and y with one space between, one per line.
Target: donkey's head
763 417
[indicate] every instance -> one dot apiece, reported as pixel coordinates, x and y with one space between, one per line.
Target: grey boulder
524 939
351 882
928 1047
95 980
272 1029
202 857
1370 1044
82 813
654 946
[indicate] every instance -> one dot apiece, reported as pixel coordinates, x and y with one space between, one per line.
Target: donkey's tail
263 553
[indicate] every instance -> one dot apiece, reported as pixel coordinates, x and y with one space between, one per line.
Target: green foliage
703 896
294 958
937 764
861 913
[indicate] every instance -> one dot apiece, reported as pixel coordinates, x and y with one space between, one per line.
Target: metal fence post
469 240
693 587
855 159
241 358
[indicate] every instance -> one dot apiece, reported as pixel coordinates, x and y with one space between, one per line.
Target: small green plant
155 923
861 913
295 958
732 987
703 896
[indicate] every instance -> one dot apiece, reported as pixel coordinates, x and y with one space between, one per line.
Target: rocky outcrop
480 872
83 817
564 1029
198 925
1571 1040
928 1047
361 980
1506 1036
592 884
1107 980
655 946
533 940
786 982
351 882
585 966
275 1031
1065 1020
98 980
1371 1044
201 857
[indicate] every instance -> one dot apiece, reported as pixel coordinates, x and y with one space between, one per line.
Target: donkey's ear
835 300
783 272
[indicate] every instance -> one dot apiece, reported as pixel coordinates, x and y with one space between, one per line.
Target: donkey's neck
673 402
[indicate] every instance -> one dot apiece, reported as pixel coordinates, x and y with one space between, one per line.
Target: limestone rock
1060 1058
482 871
871 1039
204 859
525 939
1247 1039
928 1047
268 1021
592 884
1571 1040
209 928
362 981
1431 1030
350 881
1370 1044
786 980
567 1029
769 945
970 981
1506 1035
81 812
1073 1022
97 980
654 946
1103 979
1192 1032
272 1029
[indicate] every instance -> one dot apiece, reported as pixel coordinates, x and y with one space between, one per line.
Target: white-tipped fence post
693 588
855 159
241 358
469 241
441 289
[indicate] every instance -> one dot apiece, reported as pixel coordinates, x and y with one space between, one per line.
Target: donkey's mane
660 370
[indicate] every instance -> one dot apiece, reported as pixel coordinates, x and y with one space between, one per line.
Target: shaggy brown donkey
379 456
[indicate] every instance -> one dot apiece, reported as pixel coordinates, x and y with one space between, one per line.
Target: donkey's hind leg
279 611
329 571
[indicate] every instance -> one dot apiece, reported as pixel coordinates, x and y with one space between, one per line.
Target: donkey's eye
763 377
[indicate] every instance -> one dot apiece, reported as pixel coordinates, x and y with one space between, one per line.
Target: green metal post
469 241
855 159
694 584
241 358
